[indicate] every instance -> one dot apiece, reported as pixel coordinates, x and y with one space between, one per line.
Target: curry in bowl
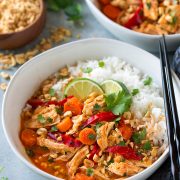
145 16
95 120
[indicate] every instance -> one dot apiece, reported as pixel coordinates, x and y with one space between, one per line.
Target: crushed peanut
3 86
7 61
16 15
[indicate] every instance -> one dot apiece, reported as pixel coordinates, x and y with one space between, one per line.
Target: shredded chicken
123 168
92 99
150 8
77 160
52 145
46 113
97 174
102 135
77 122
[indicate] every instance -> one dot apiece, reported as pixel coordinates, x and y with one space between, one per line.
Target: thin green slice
111 86
82 87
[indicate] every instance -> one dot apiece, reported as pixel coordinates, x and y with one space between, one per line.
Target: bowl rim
42 9
159 161
90 3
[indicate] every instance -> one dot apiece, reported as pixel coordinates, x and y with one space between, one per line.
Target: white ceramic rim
90 3
160 160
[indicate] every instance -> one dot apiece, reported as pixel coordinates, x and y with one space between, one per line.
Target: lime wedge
112 86
82 87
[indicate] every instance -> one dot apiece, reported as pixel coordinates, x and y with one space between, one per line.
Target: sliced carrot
80 176
111 11
87 136
65 124
74 105
104 2
126 131
28 137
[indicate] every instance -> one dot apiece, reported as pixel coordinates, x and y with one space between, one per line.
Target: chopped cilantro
122 143
148 4
44 148
50 159
117 120
148 81
52 92
30 152
139 136
101 64
54 129
89 172
147 146
118 103
59 111
135 91
109 162
98 125
87 70
50 120
96 107
174 20
71 8
92 136
41 119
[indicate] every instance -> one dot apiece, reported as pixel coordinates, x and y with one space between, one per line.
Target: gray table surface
10 165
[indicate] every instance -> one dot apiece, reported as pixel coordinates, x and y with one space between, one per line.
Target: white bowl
28 78
145 41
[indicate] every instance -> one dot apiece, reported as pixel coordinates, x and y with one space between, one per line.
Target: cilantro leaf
122 143
53 129
147 145
59 111
41 119
148 4
87 70
96 107
71 8
118 103
148 81
109 162
30 152
73 12
101 64
98 125
117 120
50 120
139 136
52 92
92 136
89 172
135 91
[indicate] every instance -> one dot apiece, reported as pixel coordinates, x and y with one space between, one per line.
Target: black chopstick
173 127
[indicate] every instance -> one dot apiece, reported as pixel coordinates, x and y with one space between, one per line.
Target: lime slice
111 86
82 87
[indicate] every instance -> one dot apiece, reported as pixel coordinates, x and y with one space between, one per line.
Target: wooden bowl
18 39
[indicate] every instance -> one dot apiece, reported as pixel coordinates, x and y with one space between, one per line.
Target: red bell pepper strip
102 116
136 19
66 139
38 102
70 141
94 151
126 152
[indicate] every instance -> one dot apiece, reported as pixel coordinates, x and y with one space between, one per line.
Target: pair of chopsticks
172 121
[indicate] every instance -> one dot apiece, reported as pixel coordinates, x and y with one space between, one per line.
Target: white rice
120 70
